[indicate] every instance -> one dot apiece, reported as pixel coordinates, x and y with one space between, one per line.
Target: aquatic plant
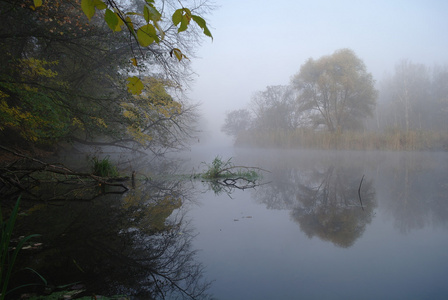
104 167
223 176
225 169
216 168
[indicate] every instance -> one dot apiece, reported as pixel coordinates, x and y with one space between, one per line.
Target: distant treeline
349 140
334 103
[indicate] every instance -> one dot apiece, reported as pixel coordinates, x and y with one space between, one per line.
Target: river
320 225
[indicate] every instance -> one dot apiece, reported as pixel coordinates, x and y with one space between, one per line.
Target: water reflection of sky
267 256
302 235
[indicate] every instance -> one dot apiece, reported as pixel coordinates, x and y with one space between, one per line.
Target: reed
104 167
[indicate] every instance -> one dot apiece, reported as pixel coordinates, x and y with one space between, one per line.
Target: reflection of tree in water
325 203
137 245
330 208
417 192
281 192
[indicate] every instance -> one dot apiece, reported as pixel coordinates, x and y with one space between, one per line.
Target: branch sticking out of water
223 174
220 169
359 192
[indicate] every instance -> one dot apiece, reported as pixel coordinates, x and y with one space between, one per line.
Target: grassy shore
349 140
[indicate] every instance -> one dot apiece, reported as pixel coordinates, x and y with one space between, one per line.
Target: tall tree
407 98
275 108
410 85
63 77
336 91
439 94
236 122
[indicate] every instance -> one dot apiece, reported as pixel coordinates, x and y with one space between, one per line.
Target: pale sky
257 44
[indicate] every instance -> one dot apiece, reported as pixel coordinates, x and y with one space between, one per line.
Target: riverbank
349 140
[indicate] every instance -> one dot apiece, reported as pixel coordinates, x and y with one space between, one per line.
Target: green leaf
120 23
99 4
135 85
177 16
146 35
187 13
88 7
184 24
151 13
182 16
111 19
201 22
146 14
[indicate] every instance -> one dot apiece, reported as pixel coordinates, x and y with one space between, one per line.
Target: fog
258 44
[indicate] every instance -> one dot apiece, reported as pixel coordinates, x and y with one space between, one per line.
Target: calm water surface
304 233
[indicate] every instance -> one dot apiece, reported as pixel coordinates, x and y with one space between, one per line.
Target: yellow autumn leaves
32 67
152 105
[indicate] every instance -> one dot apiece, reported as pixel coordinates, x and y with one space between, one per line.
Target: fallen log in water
26 172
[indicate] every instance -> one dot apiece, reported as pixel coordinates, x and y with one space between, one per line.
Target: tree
155 120
414 98
409 88
236 122
440 96
275 108
336 91
145 26
63 77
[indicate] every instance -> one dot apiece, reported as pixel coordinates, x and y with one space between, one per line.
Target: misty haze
223 150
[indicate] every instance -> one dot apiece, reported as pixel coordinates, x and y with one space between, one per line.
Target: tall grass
104 167
225 169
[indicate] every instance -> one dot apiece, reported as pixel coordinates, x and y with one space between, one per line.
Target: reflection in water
140 244
324 202
358 254
411 187
137 245
329 206
416 189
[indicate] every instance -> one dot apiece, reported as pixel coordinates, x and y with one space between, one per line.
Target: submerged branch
238 168
20 175
224 176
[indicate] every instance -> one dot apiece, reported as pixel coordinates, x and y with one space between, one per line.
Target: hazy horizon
258 45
